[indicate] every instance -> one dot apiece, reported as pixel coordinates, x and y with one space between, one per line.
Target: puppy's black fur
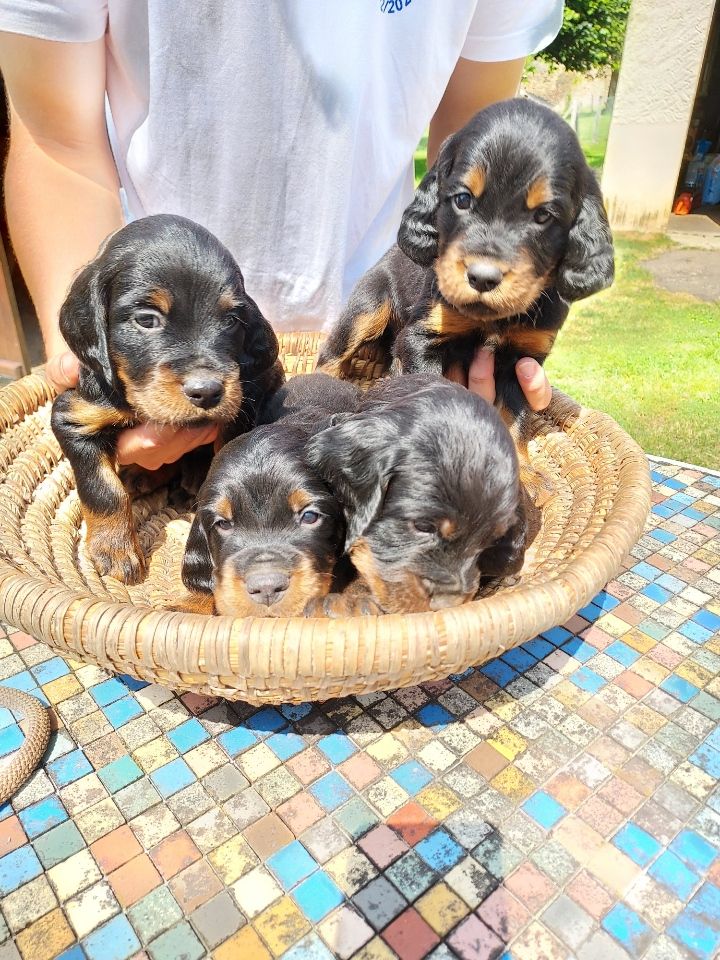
268 531
505 230
165 332
428 478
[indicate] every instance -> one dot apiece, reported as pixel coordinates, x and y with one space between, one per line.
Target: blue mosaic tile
662 535
557 636
291 864
647 570
412 776
336 747
629 929
120 773
50 670
172 777
11 738
587 679
581 650
310 947
605 601
673 874
707 619
74 953
41 816
695 632
653 592
411 875
295 711
544 809
331 791
694 850
115 940
440 851
671 583
538 648
317 896
591 612
499 672
24 681
237 740
188 735
286 744
265 721
123 711
519 659
69 768
679 688
433 715
132 683
707 759
637 844
697 928
108 692
713 739
17 868
58 844
622 653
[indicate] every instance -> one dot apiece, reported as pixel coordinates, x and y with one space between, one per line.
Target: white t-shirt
287 127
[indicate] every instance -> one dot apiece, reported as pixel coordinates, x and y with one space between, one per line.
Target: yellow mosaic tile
62 689
351 870
569 695
243 945
90 728
98 820
578 838
205 758
441 908
155 754
612 625
413 735
651 670
436 756
258 761
613 868
232 859
439 801
639 641
714 687
388 751
387 796
281 925
507 742
646 719
504 706
377 949
513 783
46 938
694 673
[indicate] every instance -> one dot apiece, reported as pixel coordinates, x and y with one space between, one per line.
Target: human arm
473 86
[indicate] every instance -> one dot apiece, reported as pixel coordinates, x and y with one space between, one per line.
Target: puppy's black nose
484 277
267 586
205 394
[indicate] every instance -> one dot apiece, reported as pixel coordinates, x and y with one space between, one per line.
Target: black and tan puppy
505 231
165 332
268 531
428 477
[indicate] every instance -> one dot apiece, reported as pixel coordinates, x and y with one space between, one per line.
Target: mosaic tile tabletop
559 802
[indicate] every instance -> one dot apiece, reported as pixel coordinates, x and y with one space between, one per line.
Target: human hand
151 445
481 379
63 370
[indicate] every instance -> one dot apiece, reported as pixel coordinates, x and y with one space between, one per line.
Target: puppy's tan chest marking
525 341
445 322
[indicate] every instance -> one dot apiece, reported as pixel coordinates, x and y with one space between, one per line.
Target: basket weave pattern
50 589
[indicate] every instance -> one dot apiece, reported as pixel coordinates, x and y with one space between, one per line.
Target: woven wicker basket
50 589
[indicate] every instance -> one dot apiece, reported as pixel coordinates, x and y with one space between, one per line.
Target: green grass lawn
594 150
647 357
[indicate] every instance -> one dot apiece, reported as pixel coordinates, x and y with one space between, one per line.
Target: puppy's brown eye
149 320
462 201
222 524
309 517
423 526
541 216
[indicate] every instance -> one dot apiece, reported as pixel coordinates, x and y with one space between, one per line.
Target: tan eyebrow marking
298 500
474 180
539 192
228 300
161 298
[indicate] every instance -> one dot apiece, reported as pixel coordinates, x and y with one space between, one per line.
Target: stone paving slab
559 802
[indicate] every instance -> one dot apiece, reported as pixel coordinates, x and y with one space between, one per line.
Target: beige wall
661 63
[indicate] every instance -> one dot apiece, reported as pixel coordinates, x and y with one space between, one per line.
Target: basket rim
147 640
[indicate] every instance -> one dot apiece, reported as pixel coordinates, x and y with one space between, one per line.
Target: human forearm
61 201
472 87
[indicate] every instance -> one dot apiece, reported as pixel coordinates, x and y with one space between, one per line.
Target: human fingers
151 445
63 370
481 375
534 383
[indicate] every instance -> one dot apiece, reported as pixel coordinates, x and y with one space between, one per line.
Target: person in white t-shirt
287 127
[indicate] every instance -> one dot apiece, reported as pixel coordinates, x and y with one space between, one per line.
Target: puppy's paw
336 605
122 560
139 482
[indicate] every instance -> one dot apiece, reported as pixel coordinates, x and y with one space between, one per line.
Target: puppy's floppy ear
505 557
84 319
197 567
261 345
418 236
355 458
589 263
